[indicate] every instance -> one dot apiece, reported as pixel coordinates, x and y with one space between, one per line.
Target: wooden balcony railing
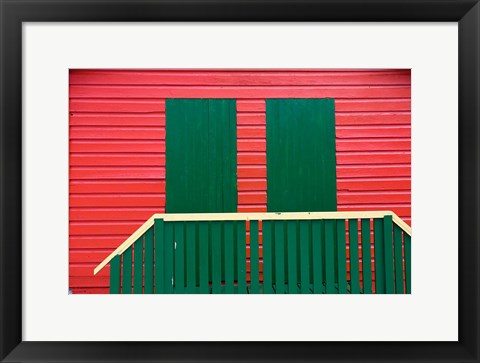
272 253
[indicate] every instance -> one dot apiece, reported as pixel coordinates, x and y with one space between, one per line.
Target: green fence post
179 256
216 257
379 256
408 263
149 261
342 257
254 258
191 266
279 257
159 257
330 256
353 244
397 243
229 257
366 257
127 271
204 243
267 257
292 256
388 246
242 257
138 266
304 257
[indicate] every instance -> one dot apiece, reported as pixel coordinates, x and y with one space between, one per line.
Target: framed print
242 181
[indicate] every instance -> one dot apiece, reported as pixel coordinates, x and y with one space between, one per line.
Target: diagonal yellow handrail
171 217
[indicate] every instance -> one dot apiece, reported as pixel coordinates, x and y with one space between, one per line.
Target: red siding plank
141 91
250 78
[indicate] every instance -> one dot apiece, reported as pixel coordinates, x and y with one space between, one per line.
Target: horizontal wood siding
117 147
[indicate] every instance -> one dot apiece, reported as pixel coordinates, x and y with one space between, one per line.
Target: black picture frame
14 12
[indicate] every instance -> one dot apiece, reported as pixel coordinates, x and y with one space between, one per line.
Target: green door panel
201 156
301 163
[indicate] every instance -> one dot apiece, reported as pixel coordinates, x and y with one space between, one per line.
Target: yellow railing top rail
172 217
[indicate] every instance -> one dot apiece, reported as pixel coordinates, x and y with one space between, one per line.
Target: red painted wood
117 147
141 91
240 78
117 186
117 119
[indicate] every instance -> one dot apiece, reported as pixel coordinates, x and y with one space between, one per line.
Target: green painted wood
279 257
398 258
408 263
179 254
267 257
242 257
159 256
301 164
380 287
388 254
190 243
115 275
354 271
148 289
317 251
204 242
330 257
293 278
201 156
169 257
127 271
229 257
216 237
304 236
342 257
254 258
366 257
138 247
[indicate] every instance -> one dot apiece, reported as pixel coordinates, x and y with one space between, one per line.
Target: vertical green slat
115 275
379 256
408 263
254 258
388 246
191 257
292 256
229 258
304 258
397 242
342 257
159 257
279 257
216 238
242 257
317 251
267 257
179 253
127 271
169 258
138 266
330 256
354 272
203 256
366 257
149 261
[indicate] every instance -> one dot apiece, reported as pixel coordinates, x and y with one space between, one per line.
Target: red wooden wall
117 146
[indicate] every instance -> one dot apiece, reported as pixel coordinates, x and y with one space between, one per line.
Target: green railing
301 253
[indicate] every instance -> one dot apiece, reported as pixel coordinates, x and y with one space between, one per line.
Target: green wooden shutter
201 156
301 166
